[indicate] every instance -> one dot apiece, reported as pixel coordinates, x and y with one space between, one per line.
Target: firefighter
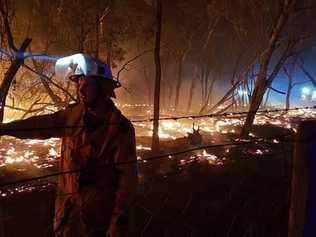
97 140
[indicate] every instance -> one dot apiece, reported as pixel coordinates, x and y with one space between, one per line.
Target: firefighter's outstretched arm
37 127
62 123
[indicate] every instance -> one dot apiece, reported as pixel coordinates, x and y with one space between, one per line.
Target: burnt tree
263 80
155 138
10 74
16 54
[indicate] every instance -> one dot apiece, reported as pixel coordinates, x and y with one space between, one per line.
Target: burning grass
29 158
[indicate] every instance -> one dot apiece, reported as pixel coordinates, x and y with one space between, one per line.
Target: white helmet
77 65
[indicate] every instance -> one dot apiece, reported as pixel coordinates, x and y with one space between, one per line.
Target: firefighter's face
88 90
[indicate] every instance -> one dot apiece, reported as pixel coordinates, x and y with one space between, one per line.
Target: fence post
302 214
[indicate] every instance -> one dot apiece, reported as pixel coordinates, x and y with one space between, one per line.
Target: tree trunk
170 95
205 85
97 36
210 91
261 83
234 101
149 85
209 97
179 82
289 73
267 98
258 93
164 87
203 90
9 76
109 53
309 76
155 138
81 39
249 87
288 95
192 87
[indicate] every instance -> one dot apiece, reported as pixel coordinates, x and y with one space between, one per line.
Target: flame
141 147
210 157
21 152
24 152
52 152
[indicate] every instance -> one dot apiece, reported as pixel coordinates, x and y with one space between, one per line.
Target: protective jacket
105 154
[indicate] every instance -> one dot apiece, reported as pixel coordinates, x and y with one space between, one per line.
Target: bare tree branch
104 14
124 67
277 91
50 81
5 16
309 76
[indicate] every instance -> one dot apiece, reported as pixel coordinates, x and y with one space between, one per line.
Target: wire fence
170 204
151 158
211 115
157 157
162 208
228 114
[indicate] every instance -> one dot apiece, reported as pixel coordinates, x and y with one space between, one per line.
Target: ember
29 153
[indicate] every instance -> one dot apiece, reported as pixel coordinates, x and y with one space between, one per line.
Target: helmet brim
75 78
115 83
